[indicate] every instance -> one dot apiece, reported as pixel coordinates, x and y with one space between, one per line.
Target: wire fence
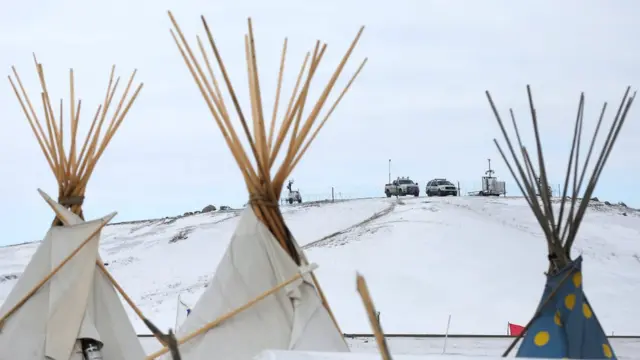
322 196
464 189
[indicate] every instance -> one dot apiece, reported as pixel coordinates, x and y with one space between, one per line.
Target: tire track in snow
328 239
184 232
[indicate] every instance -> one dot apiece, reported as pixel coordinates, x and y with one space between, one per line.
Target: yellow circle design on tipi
607 351
570 301
557 319
541 338
577 279
586 310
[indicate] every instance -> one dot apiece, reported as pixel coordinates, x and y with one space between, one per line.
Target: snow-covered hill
480 260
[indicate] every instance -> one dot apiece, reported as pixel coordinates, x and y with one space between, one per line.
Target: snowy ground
480 260
493 347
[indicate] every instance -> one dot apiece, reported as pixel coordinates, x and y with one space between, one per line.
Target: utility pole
389 171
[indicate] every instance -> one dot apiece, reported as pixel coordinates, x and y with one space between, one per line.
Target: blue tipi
564 324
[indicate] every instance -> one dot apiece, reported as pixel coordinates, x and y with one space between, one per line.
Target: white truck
441 187
293 195
403 186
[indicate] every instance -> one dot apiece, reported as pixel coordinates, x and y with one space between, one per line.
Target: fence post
333 199
446 335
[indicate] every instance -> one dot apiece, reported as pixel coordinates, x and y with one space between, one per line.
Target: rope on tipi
265 141
560 232
73 163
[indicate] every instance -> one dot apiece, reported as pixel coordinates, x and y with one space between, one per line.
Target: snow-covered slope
480 260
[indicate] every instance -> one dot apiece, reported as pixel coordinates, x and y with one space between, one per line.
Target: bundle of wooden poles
265 142
73 162
560 231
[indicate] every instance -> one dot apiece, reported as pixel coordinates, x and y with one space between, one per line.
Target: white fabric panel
292 318
69 288
31 318
117 334
78 302
69 218
25 333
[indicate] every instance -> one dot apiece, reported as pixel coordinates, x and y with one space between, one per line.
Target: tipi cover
567 325
291 319
77 302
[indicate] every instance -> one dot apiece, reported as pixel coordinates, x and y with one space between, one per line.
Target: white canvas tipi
74 300
264 272
78 302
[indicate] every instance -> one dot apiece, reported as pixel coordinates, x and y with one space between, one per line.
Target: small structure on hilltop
263 294
490 184
65 304
564 325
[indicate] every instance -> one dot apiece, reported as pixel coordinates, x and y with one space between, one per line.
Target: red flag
515 330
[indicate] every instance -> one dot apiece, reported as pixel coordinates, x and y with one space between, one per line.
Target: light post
389 171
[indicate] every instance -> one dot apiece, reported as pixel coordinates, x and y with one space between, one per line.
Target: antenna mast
489 172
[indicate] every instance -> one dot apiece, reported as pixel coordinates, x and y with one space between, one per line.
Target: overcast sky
419 101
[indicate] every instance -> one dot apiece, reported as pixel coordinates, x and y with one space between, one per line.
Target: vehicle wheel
439 193
428 193
290 201
416 194
388 193
299 201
